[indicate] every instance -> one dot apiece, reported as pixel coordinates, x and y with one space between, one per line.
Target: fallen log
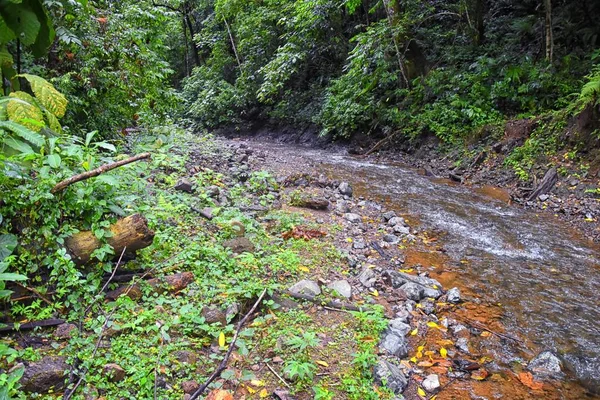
95 172
170 283
545 185
131 232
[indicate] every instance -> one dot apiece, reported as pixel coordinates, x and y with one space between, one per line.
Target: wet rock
454 296
546 365
396 221
186 357
189 387
213 315
393 239
432 293
459 329
353 218
284 302
342 287
172 283
412 291
342 207
65 331
398 327
213 191
184 185
206 213
345 189
431 383
314 202
403 315
388 215
114 372
395 345
403 230
388 374
239 245
307 287
45 375
359 244
462 344
367 277
428 306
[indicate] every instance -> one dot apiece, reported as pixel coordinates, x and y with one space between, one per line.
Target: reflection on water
544 275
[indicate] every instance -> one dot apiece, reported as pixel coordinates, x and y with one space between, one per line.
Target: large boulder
546 365
388 374
306 287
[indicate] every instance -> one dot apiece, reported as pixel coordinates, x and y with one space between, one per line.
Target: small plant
322 393
301 370
301 343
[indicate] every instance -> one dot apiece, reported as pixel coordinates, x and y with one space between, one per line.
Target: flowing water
546 277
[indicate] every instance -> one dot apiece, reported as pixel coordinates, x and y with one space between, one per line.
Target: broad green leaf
22 109
6 59
22 21
8 243
106 146
47 95
53 123
6 34
19 146
8 276
32 137
54 160
46 33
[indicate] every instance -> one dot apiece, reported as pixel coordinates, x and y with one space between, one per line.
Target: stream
545 276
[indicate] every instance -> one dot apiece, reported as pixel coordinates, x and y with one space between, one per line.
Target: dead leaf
443 352
479 374
527 379
421 392
219 394
322 363
221 339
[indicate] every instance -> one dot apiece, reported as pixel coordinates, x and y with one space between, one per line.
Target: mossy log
131 232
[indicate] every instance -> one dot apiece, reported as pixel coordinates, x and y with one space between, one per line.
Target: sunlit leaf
221 339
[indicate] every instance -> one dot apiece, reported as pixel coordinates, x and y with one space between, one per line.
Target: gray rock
114 372
432 293
184 185
307 287
359 244
456 329
189 387
431 383
387 374
213 315
353 218
388 215
342 287
396 221
65 331
186 357
389 238
232 310
546 365
239 245
395 345
412 291
463 345
345 189
403 315
367 277
398 327
342 207
454 296
543 197
352 261
428 306
401 229
45 375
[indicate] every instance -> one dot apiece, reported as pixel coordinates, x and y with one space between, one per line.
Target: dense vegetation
81 80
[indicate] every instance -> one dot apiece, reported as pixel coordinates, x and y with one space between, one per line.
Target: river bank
234 218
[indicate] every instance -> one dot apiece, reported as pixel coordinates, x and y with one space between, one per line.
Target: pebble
345 189
396 221
367 277
114 372
359 244
395 345
431 383
388 215
412 291
393 239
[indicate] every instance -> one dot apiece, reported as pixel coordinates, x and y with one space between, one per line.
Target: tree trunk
131 232
480 8
190 26
549 34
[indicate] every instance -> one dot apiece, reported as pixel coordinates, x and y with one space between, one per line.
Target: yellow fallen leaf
421 392
485 334
251 389
322 363
221 339
263 393
375 293
257 383
432 324
433 398
435 286
304 269
407 270
420 348
349 240
414 332
414 360
443 352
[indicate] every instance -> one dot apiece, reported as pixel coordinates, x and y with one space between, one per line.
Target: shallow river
546 277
